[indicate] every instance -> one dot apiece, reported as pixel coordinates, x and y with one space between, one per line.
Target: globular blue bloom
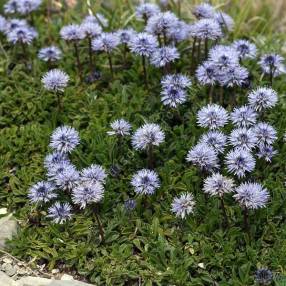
263 276
55 158
55 80
251 195
90 29
27 6
42 192
239 161
13 24
96 19
72 32
212 116
68 178
120 127
50 54
146 10
3 24
204 156
223 56
23 35
243 116
218 185
235 75
224 20
163 56
126 35
206 29
173 96
266 151
272 64
11 7
60 212
180 31
204 10
130 204
176 81
161 23
265 133
145 182
243 138
245 49
87 192
94 173
147 135
64 139
262 98
183 205
215 139
207 73
143 44
58 167
107 42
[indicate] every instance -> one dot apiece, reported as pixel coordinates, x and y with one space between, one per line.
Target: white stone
67 277
9 269
3 211
33 281
8 226
6 280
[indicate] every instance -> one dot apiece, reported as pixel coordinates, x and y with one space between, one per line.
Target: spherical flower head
178 81
212 116
146 10
203 156
243 138
58 167
68 178
272 63
55 80
218 185
23 35
183 205
173 96
3 24
42 192
263 276
239 161
215 139
94 173
101 20
64 139
60 212
266 152
163 56
130 204
149 134
204 10
207 29
107 42
120 127
180 31
206 73
251 195
55 158
245 49
126 35
11 7
143 44
223 56
225 21
160 23
243 116
87 192
50 54
145 182
231 76
265 133
90 29
13 24
262 98
27 6
72 32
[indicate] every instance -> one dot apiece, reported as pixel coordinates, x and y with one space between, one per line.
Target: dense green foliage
149 245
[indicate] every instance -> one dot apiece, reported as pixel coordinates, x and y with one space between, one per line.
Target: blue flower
173 96
120 127
68 178
143 44
243 138
90 29
55 80
206 29
42 192
55 158
233 76
223 56
24 35
262 98
245 49
263 276
50 54
204 10
272 63
72 32
265 133
60 212
224 20
130 204
243 116
126 35
215 139
106 42
183 205
146 10
266 151
207 73
162 56
178 81
94 173
218 185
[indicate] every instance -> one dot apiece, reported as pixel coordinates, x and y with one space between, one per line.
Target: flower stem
193 55
246 220
150 157
144 71
206 48
90 54
101 230
225 222
211 89
78 60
